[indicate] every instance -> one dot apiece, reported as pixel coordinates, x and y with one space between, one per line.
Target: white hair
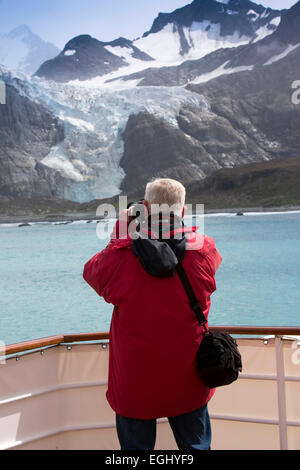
165 195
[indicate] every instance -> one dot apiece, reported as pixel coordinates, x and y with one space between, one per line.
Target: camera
137 213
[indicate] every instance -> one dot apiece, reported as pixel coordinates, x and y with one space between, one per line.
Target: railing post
281 393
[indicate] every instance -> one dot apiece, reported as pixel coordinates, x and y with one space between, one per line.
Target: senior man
154 333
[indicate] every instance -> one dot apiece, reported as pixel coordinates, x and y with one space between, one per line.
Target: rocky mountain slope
267 184
27 133
200 144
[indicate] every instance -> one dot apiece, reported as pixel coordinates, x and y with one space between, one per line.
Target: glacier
94 120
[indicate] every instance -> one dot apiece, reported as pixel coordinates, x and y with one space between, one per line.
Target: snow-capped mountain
22 50
205 26
226 61
85 57
188 33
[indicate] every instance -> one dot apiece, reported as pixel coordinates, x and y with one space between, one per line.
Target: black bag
218 359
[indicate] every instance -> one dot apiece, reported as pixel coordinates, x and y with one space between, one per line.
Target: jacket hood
157 249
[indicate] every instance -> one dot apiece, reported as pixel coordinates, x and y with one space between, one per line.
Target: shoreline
68 218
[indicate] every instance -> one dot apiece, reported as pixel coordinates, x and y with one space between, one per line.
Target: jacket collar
171 230
160 227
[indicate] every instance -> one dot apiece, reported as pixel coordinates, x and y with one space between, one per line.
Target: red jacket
154 334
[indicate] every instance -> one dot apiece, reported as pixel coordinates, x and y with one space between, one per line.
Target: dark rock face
154 148
288 30
202 143
27 133
220 139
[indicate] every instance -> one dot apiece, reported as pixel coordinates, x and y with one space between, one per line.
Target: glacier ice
94 120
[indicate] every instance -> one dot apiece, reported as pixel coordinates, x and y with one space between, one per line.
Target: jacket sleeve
212 255
103 272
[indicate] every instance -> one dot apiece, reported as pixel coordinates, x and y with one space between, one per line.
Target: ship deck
52 394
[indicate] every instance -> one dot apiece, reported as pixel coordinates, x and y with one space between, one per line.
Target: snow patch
124 52
264 31
79 123
203 38
278 57
163 46
222 70
117 83
58 161
70 52
276 21
266 13
253 14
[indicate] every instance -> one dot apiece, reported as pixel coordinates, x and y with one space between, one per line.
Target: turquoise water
42 292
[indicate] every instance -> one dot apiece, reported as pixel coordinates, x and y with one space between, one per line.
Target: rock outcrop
27 133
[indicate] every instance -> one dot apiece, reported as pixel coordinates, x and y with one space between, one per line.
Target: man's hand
124 215
121 227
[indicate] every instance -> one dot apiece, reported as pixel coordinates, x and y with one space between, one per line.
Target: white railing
44 385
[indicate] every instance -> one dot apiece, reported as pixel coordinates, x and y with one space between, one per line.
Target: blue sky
60 20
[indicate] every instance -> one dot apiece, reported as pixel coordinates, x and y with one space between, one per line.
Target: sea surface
42 292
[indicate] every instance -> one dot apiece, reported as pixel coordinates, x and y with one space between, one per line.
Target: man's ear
147 206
